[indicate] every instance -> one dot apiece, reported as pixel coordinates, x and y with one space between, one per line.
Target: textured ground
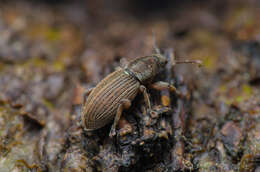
50 51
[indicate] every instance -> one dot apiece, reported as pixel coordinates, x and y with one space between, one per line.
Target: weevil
114 93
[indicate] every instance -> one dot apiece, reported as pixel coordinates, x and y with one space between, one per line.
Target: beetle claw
112 133
153 113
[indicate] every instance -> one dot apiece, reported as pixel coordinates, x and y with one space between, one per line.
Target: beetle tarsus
124 104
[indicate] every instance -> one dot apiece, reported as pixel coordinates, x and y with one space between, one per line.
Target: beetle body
123 84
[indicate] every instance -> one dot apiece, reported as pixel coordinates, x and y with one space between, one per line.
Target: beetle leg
164 86
161 85
123 62
86 94
146 96
124 104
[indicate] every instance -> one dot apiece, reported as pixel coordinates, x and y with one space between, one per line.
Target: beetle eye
166 61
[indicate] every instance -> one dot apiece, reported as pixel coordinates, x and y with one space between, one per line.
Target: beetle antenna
155 47
198 62
169 54
174 62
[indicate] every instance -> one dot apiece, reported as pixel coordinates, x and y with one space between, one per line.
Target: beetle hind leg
124 104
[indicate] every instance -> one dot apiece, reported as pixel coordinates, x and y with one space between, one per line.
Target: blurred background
52 50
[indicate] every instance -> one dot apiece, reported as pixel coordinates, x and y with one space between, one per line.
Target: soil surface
52 51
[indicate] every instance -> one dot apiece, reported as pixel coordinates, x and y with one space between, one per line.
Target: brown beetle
115 92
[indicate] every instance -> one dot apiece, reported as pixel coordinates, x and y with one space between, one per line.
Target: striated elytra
115 92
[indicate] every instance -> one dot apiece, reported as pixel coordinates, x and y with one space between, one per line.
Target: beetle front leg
161 85
124 104
164 87
146 96
86 94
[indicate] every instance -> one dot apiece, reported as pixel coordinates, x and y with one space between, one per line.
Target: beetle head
161 60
